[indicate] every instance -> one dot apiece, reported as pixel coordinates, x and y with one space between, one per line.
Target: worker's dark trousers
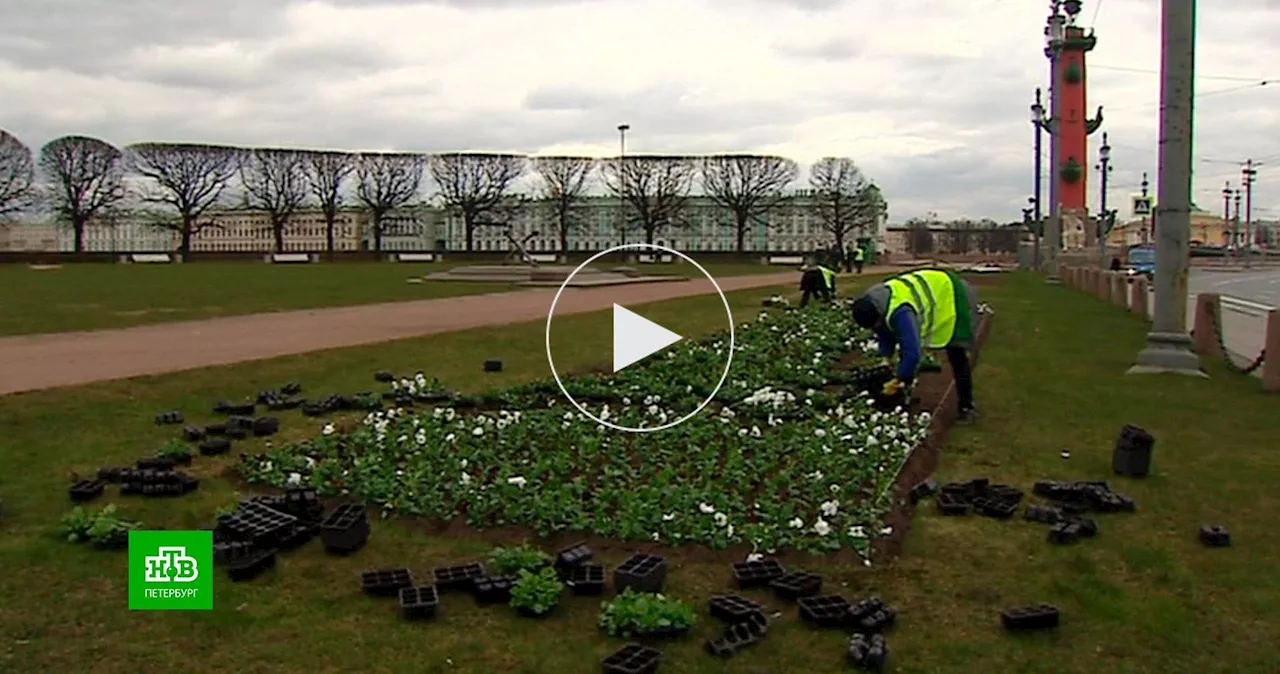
959 359
858 266
814 284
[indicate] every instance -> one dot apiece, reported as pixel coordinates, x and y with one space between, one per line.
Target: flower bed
788 457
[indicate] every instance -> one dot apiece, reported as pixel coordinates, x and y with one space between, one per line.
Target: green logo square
170 570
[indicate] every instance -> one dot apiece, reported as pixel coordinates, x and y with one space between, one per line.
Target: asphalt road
1244 333
1261 286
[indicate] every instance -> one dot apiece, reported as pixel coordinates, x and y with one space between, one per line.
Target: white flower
821 527
654 536
668 517
421 436
329 429
729 531
721 519
820 433
834 488
706 508
755 557
478 431
464 479
517 481
830 508
886 531
796 523
294 480
857 532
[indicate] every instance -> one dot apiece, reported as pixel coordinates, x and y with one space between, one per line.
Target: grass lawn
1142 597
101 296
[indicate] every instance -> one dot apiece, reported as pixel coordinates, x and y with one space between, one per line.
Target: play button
636 337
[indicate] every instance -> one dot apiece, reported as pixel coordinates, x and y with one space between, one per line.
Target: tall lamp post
1169 348
1055 33
1040 121
1235 220
622 180
1106 218
1226 221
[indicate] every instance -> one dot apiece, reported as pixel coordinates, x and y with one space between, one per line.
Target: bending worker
924 309
818 281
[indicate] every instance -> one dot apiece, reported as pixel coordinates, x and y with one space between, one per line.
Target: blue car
1141 261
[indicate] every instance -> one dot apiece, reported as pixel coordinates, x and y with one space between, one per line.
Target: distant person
924 309
1115 264
817 280
859 258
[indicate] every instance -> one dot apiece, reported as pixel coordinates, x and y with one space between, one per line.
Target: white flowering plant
778 461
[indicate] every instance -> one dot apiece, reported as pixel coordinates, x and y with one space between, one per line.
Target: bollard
1203 333
1119 290
1271 345
1138 296
1102 285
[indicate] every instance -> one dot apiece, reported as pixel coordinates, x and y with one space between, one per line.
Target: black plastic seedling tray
796 584
642 573
1036 617
345 530
824 611
633 659
731 608
251 565
492 589
952 504
460 577
586 580
757 574
385 582
868 653
1215 536
419 603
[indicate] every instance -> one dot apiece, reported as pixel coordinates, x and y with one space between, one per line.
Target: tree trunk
377 232
564 240
469 227
77 233
330 223
742 233
188 223
277 230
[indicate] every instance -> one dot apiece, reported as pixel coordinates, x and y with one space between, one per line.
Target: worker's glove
892 387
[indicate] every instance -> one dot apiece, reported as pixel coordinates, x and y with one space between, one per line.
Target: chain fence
1216 317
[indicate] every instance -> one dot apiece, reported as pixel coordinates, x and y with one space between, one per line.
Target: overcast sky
930 97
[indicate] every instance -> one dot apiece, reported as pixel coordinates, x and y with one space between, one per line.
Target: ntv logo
171 565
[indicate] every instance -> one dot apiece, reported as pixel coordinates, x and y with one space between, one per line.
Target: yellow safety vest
859 254
828 277
933 296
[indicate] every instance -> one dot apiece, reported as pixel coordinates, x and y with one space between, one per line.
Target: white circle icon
635 337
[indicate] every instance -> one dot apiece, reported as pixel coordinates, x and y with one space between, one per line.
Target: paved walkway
34 362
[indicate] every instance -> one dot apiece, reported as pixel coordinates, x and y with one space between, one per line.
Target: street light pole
1226 220
1247 177
1104 216
1169 348
1039 121
1235 221
622 181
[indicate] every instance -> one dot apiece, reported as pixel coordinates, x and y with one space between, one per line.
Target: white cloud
930 96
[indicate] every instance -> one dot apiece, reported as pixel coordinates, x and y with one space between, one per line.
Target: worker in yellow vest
924 309
817 280
859 258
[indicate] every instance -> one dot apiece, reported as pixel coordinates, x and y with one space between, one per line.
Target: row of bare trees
929 235
82 179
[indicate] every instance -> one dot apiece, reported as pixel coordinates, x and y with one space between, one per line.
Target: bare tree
274 181
85 178
748 186
844 200
920 235
17 173
326 172
190 179
475 186
386 181
654 189
564 182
